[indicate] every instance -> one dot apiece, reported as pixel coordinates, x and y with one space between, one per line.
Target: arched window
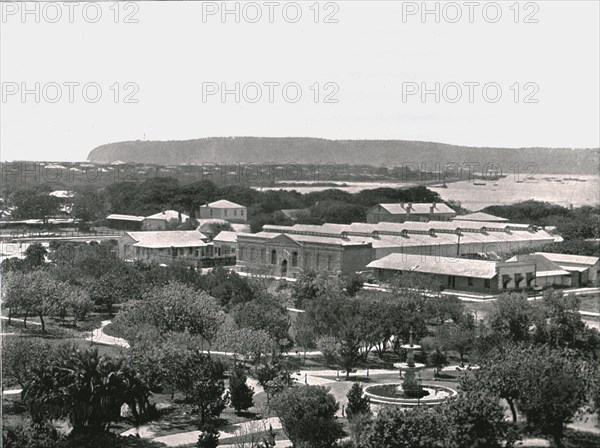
294 259
252 253
263 255
241 252
273 256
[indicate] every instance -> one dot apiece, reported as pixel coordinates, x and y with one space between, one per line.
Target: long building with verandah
341 248
459 274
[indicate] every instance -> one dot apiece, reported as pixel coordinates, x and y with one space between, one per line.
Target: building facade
223 209
125 222
436 238
458 274
408 211
190 247
164 219
284 255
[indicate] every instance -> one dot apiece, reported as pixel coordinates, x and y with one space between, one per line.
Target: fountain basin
404 366
391 394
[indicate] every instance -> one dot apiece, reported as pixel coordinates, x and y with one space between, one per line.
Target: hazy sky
375 61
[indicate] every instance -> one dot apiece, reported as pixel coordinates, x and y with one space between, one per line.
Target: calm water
503 191
508 191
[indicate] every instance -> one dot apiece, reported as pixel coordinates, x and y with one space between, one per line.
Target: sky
77 76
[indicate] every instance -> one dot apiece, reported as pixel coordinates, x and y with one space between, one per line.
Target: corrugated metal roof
226 237
168 215
178 238
567 258
223 203
480 216
462 267
416 208
118 217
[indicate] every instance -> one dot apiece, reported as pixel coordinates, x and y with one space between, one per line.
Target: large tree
307 414
84 387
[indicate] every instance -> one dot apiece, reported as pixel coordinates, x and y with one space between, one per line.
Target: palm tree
87 388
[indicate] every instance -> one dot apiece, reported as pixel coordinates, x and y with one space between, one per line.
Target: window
506 280
329 262
241 252
530 278
273 256
211 212
235 213
487 283
518 280
470 281
225 212
262 255
242 212
252 253
294 259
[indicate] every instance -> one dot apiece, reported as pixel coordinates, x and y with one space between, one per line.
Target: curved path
98 336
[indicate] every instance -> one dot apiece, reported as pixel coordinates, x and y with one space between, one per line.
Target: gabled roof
543 266
159 240
462 267
226 237
480 216
223 203
118 217
567 258
419 208
168 215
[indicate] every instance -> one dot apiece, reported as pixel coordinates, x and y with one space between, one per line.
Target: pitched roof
179 238
480 216
118 217
543 266
566 258
168 215
226 237
462 267
223 203
416 208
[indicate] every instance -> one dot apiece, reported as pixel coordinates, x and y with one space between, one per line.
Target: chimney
179 217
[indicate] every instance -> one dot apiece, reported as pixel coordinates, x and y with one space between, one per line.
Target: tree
352 284
305 288
173 308
304 336
20 356
357 403
501 371
397 428
264 313
511 317
477 420
87 388
205 387
36 293
460 336
35 255
474 419
32 204
552 389
438 359
240 393
209 438
115 286
307 414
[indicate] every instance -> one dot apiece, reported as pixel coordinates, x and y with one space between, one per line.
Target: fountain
410 392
